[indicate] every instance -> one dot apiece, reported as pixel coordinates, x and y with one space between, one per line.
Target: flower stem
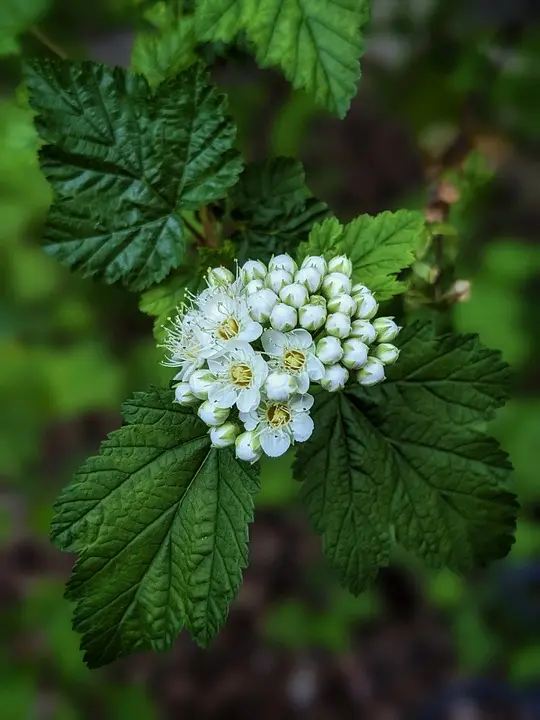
47 42
201 240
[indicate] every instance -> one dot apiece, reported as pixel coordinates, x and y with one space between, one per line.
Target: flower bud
342 303
372 372
338 324
318 300
340 264
248 447
294 295
253 270
211 414
386 329
277 279
367 306
386 353
310 277
329 350
280 386
183 394
335 284
283 317
317 262
261 304
355 354
224 435
363 330
254 286
200 382
335 378
283 262
359 289
312 317
219 276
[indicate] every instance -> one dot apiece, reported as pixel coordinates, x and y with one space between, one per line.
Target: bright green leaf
161 55
382 467
16 17
160 522
219 20
125 162
379 247
273 208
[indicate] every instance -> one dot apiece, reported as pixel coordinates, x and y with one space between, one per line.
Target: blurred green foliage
71 350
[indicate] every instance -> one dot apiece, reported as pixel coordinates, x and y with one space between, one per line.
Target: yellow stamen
278 415
228 329
241 375
294 360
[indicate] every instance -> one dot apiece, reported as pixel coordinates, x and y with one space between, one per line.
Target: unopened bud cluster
249 346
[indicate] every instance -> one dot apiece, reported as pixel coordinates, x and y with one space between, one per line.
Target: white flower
340 264
317 262
363 330
277 279
367 306
372 372
183 345
223 321
277 424
329 350
335 378
359 289
338 324
386 329
283 262
312 317
386 353
248 447
253 270
261 304
254 286
280 385
238 376
355 353
295 295
342 303
310 277
211 414
217 277
224 435
293 353
183 394
335 283
200 382
283 317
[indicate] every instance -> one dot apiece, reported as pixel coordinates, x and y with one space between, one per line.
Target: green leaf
16 17
124 163
273 208
219 20
383 467
379 247
161 55
160 522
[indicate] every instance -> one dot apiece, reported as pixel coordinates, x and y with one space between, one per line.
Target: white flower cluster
252 345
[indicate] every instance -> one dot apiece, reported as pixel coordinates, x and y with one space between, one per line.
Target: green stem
47 42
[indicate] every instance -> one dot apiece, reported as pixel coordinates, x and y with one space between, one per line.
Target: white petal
302 403
299 338
217 365
275 442
315 368
250 332
248 399
249 419
302 426
273 342
302 382
223 397
260 370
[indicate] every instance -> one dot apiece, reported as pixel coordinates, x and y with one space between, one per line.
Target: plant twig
47 42
201 240
209 225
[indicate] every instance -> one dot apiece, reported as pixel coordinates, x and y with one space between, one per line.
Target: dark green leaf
160 522
124 163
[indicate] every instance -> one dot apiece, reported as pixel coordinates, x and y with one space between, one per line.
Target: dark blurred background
447 118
